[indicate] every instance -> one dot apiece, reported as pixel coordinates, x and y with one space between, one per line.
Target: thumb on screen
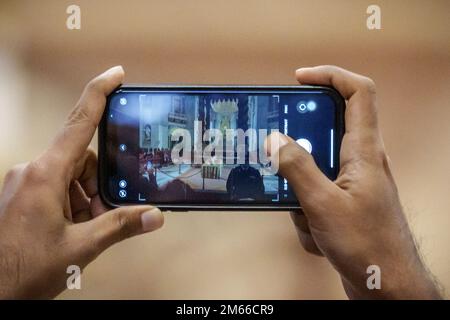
296 165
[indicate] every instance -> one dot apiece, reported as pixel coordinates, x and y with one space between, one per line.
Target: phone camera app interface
208 147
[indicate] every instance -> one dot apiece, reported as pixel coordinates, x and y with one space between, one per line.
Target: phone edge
101 147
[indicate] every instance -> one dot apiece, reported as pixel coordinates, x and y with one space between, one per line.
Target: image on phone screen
204 147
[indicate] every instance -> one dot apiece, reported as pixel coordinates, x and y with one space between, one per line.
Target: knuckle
378 152
81 119
78 115
123 225
95 84
332 68
368 85
15 171
329 70
377 157
36 171
54 159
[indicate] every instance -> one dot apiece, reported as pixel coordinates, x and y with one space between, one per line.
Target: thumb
297 166
114 226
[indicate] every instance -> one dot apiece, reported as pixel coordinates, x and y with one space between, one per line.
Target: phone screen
203 147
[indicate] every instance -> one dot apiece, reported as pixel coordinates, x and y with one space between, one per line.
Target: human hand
357 220
51 215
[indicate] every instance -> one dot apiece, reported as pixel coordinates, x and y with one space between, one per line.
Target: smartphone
202 147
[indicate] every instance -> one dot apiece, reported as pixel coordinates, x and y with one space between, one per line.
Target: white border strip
331 148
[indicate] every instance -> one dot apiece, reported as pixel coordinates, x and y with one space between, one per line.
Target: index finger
361 112
72 141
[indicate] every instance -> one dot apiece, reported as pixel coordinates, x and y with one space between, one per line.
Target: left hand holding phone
51 215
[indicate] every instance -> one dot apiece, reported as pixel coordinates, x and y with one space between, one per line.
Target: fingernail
303 69
152 220
115 69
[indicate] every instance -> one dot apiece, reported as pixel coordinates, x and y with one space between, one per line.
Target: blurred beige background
44 66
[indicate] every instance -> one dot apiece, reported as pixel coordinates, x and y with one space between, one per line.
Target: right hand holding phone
357 220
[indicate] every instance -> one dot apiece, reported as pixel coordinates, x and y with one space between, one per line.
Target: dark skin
51 215
357 220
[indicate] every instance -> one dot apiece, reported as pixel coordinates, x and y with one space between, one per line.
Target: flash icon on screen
122 193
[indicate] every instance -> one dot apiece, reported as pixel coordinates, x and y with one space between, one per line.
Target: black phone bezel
103 163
